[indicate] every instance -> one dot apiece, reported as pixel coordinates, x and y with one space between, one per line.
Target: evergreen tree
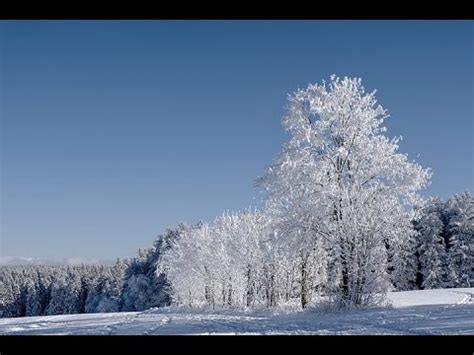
431 245
461 228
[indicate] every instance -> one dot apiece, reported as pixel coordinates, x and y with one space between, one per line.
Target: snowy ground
447 311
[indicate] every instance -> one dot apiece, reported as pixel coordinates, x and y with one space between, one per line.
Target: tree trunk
345 282
229 292
272 290
345 274
288 285
250 287
207 295
304 291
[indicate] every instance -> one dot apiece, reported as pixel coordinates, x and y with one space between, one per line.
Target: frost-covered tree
9 293
109 293
221 264
298 255
461 240
65 293
43 288
185 265
87 275
431 245
143 288
58 301
99 288
33 301
340 181
444 250
403 264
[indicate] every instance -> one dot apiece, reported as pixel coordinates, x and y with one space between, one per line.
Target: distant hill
20 260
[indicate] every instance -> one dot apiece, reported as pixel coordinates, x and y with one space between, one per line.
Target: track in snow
445 311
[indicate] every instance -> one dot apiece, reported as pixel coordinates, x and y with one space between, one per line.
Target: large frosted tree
340 182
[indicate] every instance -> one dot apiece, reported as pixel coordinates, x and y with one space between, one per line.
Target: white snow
431 297
443 311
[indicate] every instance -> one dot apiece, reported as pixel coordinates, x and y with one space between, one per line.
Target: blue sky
113 130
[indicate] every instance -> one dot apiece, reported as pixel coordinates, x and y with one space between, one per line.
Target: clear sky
111 131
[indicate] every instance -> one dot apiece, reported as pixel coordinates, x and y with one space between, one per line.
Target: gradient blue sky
111 131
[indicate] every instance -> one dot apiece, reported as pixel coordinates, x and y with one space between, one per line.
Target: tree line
238 260
234 263
128 285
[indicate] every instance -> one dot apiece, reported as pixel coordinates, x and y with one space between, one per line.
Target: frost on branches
220 264
340 182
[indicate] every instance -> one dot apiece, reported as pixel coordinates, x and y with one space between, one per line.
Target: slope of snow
446 311
431 297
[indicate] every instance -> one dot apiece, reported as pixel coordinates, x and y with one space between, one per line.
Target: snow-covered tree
65 293
403 263
341 182
431 244
9 293
99 286
297 254
220 264
143 288
33 301
109 293
185 266
461 240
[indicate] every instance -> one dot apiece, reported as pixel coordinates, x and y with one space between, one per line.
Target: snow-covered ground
446 311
